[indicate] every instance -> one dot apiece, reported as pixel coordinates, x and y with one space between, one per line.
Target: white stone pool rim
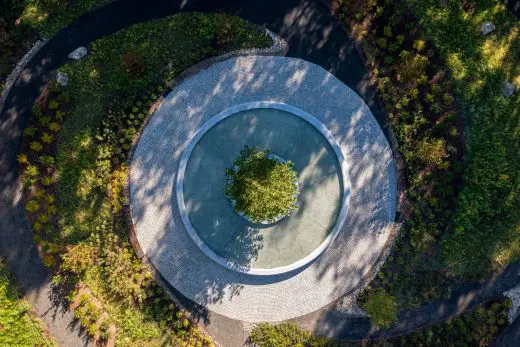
179 187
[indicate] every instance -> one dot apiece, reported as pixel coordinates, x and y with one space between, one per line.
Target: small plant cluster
420 105
261 187
120 126
89 314
284 335
39 172
381 308
479 327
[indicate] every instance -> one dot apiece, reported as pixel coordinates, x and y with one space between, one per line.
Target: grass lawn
18 325
75 174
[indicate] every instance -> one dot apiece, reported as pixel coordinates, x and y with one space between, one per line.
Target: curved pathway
312 35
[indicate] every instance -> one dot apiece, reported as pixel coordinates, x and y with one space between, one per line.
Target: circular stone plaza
346 203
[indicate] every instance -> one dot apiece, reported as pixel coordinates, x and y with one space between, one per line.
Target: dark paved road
312 35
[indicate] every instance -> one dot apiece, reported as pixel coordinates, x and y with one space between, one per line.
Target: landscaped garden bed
417 95
423 56
73 159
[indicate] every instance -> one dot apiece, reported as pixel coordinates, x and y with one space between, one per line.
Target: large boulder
62 78
486 28
509 89
78 53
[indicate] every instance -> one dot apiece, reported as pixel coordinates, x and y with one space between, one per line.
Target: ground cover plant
478 327
381 308
18 325
261 187
74 170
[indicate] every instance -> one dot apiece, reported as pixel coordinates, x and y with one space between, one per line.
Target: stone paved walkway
371 170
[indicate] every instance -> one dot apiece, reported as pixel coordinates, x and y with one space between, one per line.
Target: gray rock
62 78
509 89
78 53
486 28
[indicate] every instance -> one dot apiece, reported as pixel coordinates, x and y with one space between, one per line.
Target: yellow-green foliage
16 327
381 308
284 335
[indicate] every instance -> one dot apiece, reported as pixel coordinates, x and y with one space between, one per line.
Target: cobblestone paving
250 298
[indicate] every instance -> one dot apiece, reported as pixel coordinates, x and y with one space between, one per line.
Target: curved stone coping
179 189
350 257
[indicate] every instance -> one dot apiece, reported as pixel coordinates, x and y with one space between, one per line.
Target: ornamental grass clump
262 187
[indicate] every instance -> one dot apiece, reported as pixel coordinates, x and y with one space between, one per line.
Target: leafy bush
381 308
133 63
261 187
283 335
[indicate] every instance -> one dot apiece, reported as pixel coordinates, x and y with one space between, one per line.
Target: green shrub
36 146
382 42
281 335
133 63
381 308
261 187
